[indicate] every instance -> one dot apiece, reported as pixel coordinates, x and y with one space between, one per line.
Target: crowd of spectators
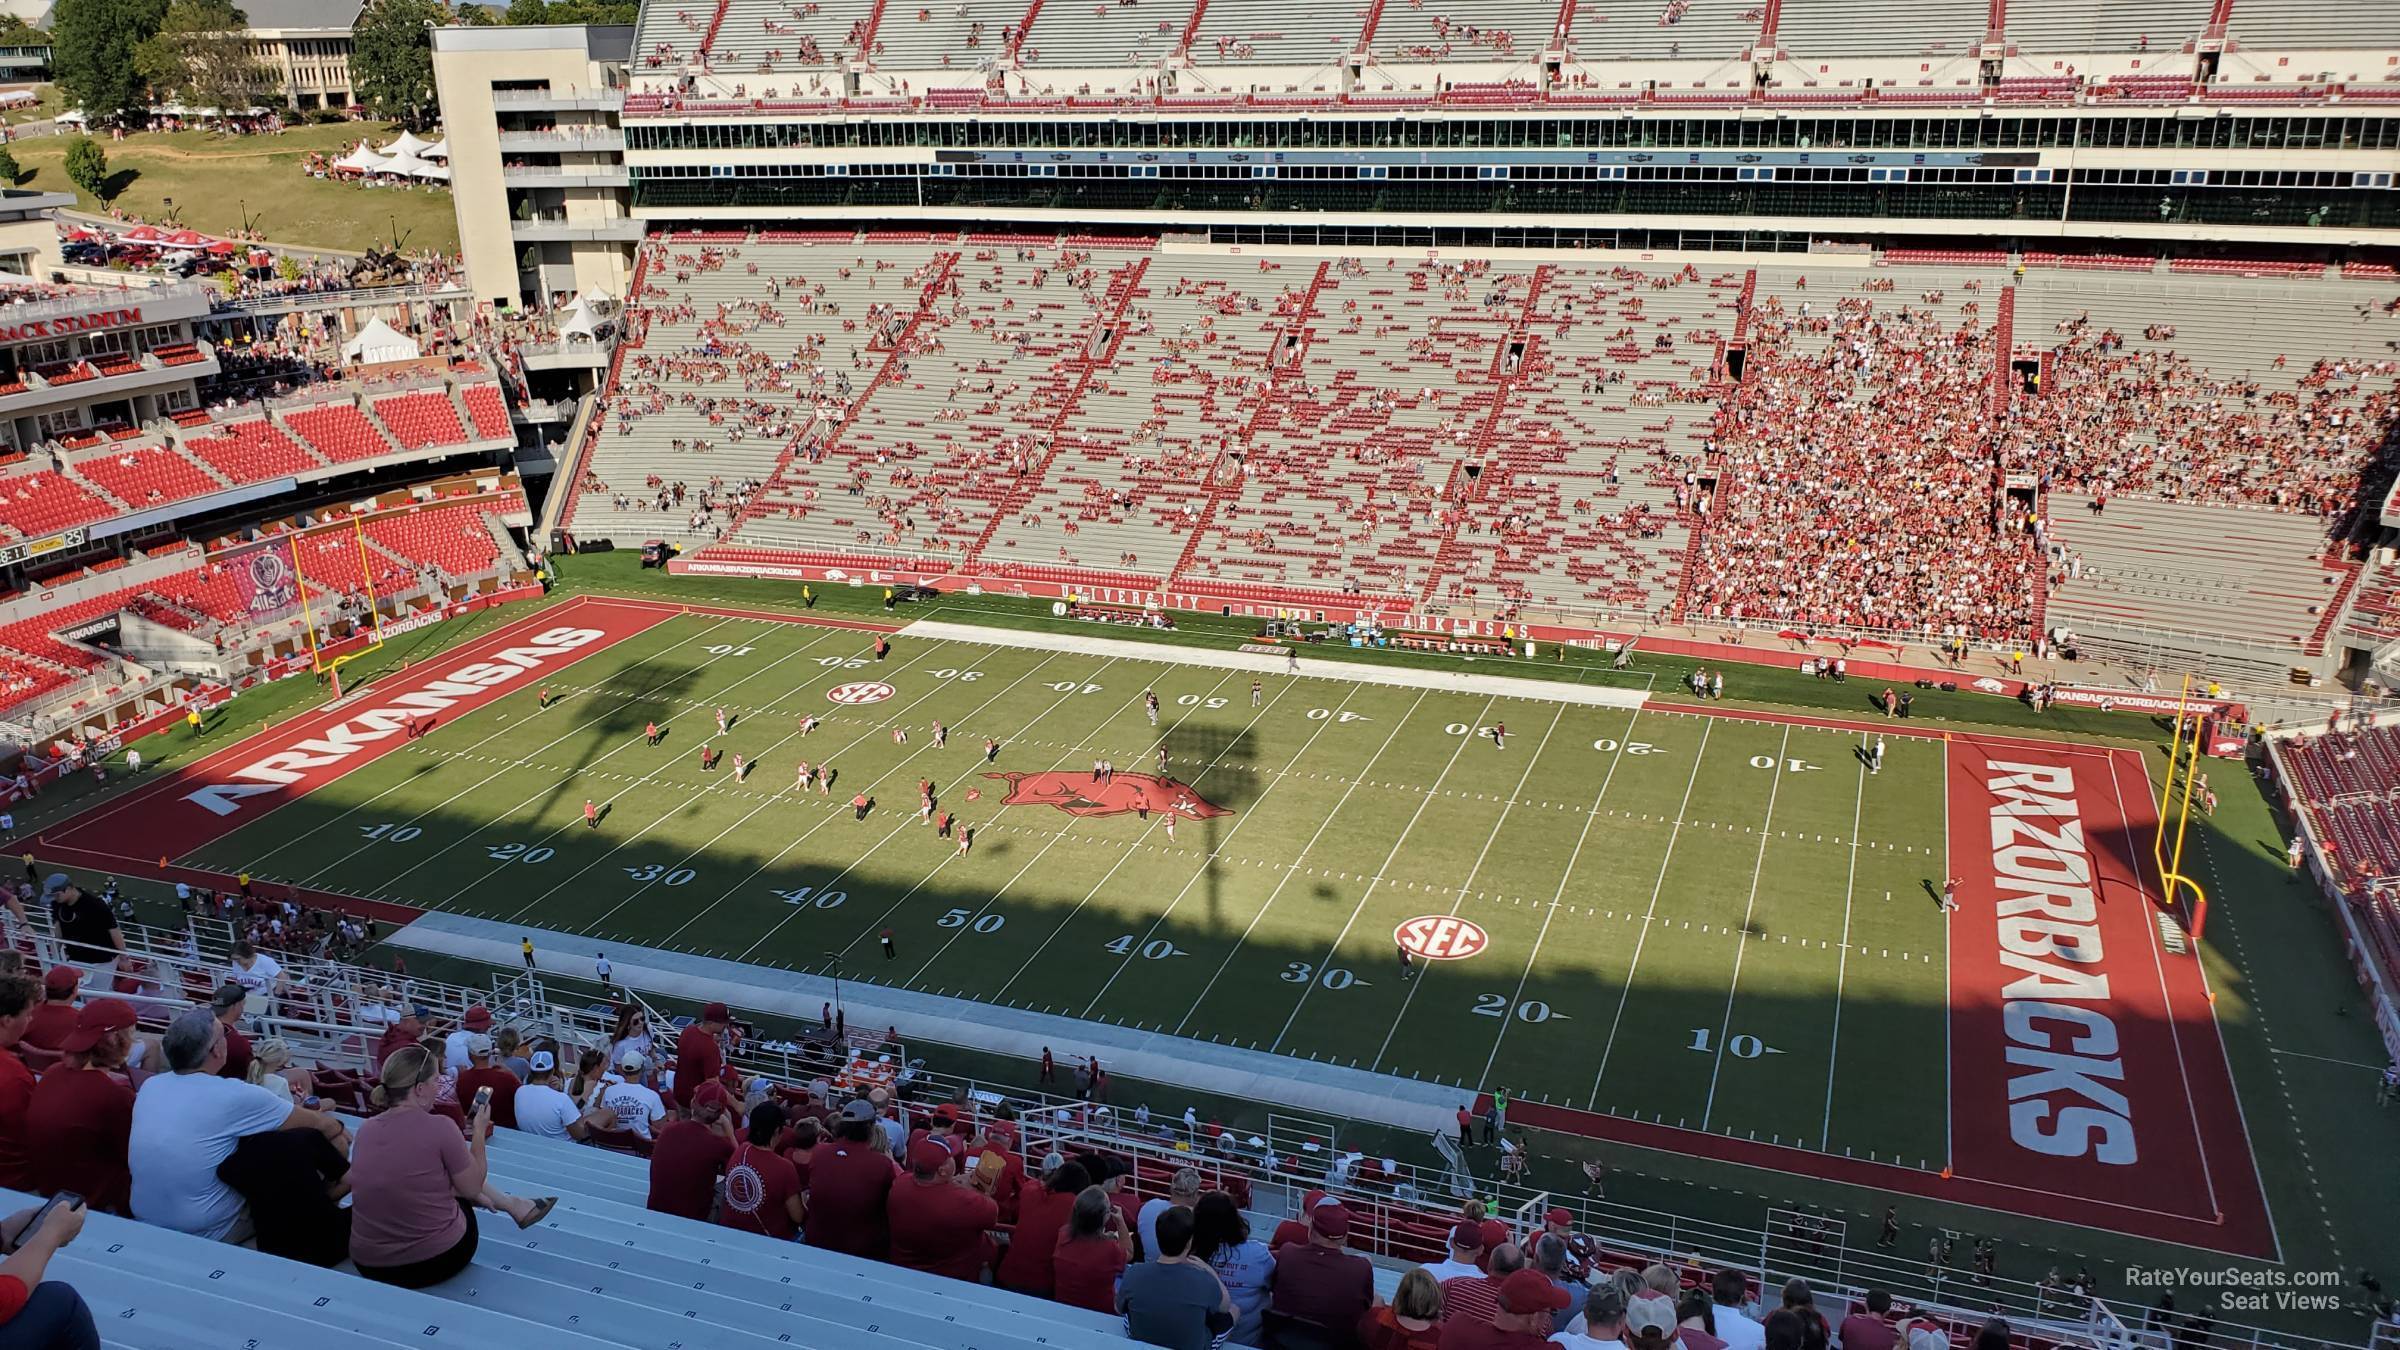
1859 489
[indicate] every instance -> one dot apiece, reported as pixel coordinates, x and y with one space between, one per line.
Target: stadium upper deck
1383 54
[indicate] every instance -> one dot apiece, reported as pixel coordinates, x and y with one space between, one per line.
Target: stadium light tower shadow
1223 764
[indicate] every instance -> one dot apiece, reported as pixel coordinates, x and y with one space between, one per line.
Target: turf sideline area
799 996
1281 663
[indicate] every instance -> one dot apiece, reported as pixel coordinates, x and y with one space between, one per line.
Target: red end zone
193 806
2087 1080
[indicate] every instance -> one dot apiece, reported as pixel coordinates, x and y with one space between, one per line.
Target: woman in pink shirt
415 1184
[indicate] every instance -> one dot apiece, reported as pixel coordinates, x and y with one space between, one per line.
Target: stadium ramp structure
1280 663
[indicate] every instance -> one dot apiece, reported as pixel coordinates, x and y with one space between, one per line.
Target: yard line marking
618 845
1649 915
986 907
889 835
1369 892
1841 968
1741 945
980 911
628 744
784 794
1467 882
1322 825
354 811
1213 854
1141 841
1552 911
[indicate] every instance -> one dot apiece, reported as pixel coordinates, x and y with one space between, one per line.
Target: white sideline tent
362 160
439 150
585 318
408 145
379 342
409 166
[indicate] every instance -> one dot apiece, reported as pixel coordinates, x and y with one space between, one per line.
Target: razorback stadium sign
335 744
98 319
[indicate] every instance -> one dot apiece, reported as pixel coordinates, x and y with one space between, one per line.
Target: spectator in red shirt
762 1188
1041 1217
1092 1251
54 1018
228 1003
700 1053
34 1311
1321 1291
481 1073
1521 1321
18 995
82 1112
850 1186
409 1030
940 1224
997 1171
1474 1298
1872 1328
1295 1230
686 1156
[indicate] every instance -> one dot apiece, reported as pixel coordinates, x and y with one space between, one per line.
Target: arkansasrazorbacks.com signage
37 329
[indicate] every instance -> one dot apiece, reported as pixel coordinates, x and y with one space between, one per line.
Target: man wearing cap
86 925
1466 1254
483 1072
1473 1298
1520 1320
1557 1222
477 1022
1321 1290
228 1004
543 1108
689 1155
700 1053
623 1092
940 1224
409 1030
81 1114
850 1178
54 1017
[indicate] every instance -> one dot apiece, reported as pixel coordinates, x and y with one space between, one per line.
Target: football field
1723 926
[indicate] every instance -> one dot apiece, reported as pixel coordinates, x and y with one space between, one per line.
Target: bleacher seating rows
145 476
454 538
1506 434
424 418
339 431
2343 781
42 502
249 451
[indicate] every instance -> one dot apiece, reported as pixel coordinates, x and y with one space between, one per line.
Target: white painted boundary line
1495 686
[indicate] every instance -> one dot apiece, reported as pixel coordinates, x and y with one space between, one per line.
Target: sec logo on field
1440 937
860 691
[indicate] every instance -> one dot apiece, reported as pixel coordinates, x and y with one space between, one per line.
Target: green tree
87 166
91 55
391 58
15 32
9 172
571 11
201 55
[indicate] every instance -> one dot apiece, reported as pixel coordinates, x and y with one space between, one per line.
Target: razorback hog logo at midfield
1077 795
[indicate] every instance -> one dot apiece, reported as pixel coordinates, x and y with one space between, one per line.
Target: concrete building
307 44
537 158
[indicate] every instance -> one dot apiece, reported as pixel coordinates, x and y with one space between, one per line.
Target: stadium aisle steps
735 1279
151 1287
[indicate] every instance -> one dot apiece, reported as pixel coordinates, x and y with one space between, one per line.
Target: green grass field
1354 808
1340 828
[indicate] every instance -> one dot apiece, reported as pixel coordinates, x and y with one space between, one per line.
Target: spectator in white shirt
1737 1328
1466 1253
188 1120
1183 1190
256 972
477 1022
544 1109
636 1106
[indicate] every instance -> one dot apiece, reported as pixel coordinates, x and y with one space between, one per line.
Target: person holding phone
415 1185
1093 1250
35 1311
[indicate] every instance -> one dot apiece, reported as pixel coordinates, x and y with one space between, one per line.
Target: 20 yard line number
1531 1010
